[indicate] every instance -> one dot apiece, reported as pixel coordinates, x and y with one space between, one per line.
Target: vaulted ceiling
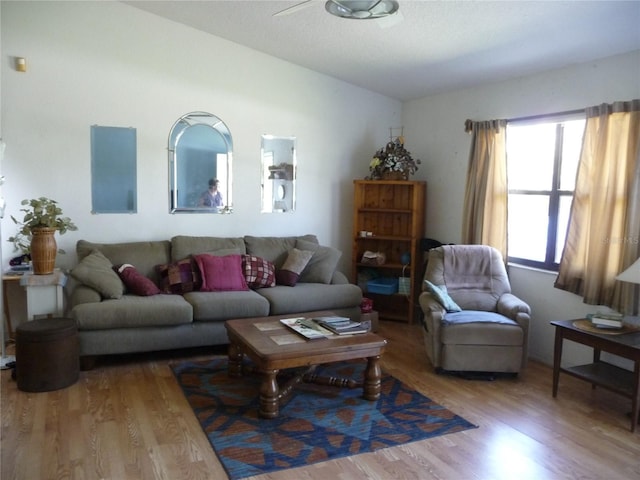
427 48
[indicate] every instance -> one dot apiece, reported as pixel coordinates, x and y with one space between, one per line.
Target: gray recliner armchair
472 322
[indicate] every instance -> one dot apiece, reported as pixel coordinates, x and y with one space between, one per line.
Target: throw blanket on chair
468 268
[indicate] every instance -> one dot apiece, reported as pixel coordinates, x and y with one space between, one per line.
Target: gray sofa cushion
142 255
133 311
83 294
218 306
322 264
274 249
307 297
183 245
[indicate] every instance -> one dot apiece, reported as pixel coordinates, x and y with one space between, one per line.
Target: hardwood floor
128 419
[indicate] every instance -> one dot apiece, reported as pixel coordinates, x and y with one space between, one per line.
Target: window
542 160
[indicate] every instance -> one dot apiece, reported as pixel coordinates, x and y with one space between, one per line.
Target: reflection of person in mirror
211 197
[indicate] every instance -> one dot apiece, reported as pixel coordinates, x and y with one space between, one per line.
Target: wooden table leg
557 359
269 394
235 360
372 376
7 312
596 359
635 400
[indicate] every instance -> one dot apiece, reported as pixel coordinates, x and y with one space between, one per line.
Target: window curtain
604 225
484 219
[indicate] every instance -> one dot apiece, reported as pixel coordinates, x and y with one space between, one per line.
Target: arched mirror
200 154
278 174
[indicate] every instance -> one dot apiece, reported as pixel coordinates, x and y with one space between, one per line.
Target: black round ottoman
47 354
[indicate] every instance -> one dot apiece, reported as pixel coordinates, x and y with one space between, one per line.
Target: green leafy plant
40 212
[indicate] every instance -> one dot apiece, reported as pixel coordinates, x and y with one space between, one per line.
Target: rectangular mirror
278 174
113 170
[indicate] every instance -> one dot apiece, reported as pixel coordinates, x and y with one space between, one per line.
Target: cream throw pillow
292 267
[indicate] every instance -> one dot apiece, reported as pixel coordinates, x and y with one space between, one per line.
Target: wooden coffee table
273 347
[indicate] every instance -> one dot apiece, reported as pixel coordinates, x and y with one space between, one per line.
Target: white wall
434 130
110 64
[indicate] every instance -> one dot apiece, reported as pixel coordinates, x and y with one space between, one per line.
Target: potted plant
393 162
36 236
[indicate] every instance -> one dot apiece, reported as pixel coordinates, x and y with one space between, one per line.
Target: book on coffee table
306 327
342 325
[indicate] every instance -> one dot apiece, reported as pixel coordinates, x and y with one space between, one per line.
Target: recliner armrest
431 323
433 311
510 306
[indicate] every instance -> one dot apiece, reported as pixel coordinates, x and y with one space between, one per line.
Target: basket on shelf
394 175
404 285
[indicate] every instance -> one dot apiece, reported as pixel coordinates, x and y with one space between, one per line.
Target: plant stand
44 294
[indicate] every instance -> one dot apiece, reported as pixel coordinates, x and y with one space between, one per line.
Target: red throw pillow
135 282
220 274
258 272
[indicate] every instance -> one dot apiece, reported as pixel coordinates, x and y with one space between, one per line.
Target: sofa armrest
339 278
84 294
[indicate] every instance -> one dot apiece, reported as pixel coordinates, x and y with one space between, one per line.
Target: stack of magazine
306 327
323 327
342 325
606 320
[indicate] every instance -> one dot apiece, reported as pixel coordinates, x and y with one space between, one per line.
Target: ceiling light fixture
361 9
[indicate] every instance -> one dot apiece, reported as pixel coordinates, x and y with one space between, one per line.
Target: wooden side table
625 344
44 294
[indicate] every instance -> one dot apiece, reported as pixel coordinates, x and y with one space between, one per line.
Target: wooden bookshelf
393 212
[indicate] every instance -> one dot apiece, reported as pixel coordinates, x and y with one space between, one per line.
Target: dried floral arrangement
392 162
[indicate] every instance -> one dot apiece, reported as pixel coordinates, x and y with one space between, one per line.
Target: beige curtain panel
484 219
603 236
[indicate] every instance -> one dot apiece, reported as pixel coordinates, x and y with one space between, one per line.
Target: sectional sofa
168 294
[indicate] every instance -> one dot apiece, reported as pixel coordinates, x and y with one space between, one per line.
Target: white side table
45 294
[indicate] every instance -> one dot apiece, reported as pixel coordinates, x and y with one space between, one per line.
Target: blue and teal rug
319 422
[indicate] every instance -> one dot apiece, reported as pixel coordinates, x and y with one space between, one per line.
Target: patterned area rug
317 424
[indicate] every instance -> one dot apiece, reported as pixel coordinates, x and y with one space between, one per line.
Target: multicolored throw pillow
179 277
258 272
